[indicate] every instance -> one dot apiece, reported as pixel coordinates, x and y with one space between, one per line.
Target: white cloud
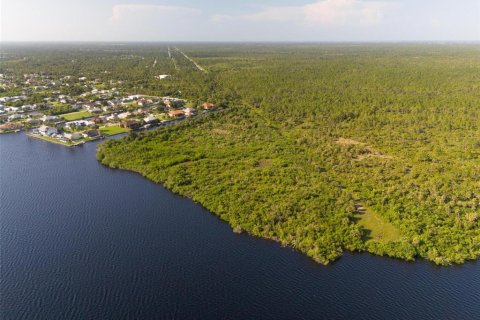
345 12
122 12
321 13
146 22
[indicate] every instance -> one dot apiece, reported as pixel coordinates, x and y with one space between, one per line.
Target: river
82 241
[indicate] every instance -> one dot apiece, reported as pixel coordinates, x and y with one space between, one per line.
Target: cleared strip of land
199 67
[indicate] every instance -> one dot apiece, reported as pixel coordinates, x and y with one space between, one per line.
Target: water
81 241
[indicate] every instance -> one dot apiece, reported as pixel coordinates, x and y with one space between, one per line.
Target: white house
72 136
112 118
124 115
150 118
189 111
12 109
47 131
79 123
46 118
15 116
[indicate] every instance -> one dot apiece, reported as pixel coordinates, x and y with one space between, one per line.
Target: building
176 113
124 115
93 133
47 131
72 136
15 116
150 119
46 118
131 123
189 112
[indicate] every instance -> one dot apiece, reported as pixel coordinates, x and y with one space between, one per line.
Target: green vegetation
76 115
58 109
49 139
112 130
397 126
377 228
309 129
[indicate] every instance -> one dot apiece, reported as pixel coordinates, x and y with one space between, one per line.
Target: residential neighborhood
72 112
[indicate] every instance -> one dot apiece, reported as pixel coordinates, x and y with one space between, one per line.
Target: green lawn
113 130
49 139
380 229
76 115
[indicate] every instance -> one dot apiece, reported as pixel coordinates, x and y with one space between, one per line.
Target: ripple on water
81 241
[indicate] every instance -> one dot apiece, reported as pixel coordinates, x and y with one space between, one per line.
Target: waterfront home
11 126
15 116
72 136
47 131
131 123
150 119
33 122
93 133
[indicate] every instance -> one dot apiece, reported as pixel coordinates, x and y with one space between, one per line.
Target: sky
240 20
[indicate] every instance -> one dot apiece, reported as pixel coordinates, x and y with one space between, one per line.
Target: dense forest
323 148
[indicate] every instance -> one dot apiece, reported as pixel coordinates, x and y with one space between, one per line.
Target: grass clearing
49 139
113 130
76 115
379 229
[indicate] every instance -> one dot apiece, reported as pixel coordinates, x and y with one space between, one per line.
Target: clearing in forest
378 228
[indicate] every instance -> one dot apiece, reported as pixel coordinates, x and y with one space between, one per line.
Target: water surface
82 241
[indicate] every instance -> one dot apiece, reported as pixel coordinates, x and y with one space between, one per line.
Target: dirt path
199 67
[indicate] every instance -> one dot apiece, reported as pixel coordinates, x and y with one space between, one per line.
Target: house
10 126
98 120
176 113
139 111
72 136
189 112
112 118
79 123
12 109
33 122
46 118
93 109
142 102
93 133
131 124
150 119
15 116
47 131
124 115
208 106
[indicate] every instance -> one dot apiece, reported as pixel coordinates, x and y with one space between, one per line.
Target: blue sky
229 20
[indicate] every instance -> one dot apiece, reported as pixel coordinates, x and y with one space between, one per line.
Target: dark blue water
81 241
